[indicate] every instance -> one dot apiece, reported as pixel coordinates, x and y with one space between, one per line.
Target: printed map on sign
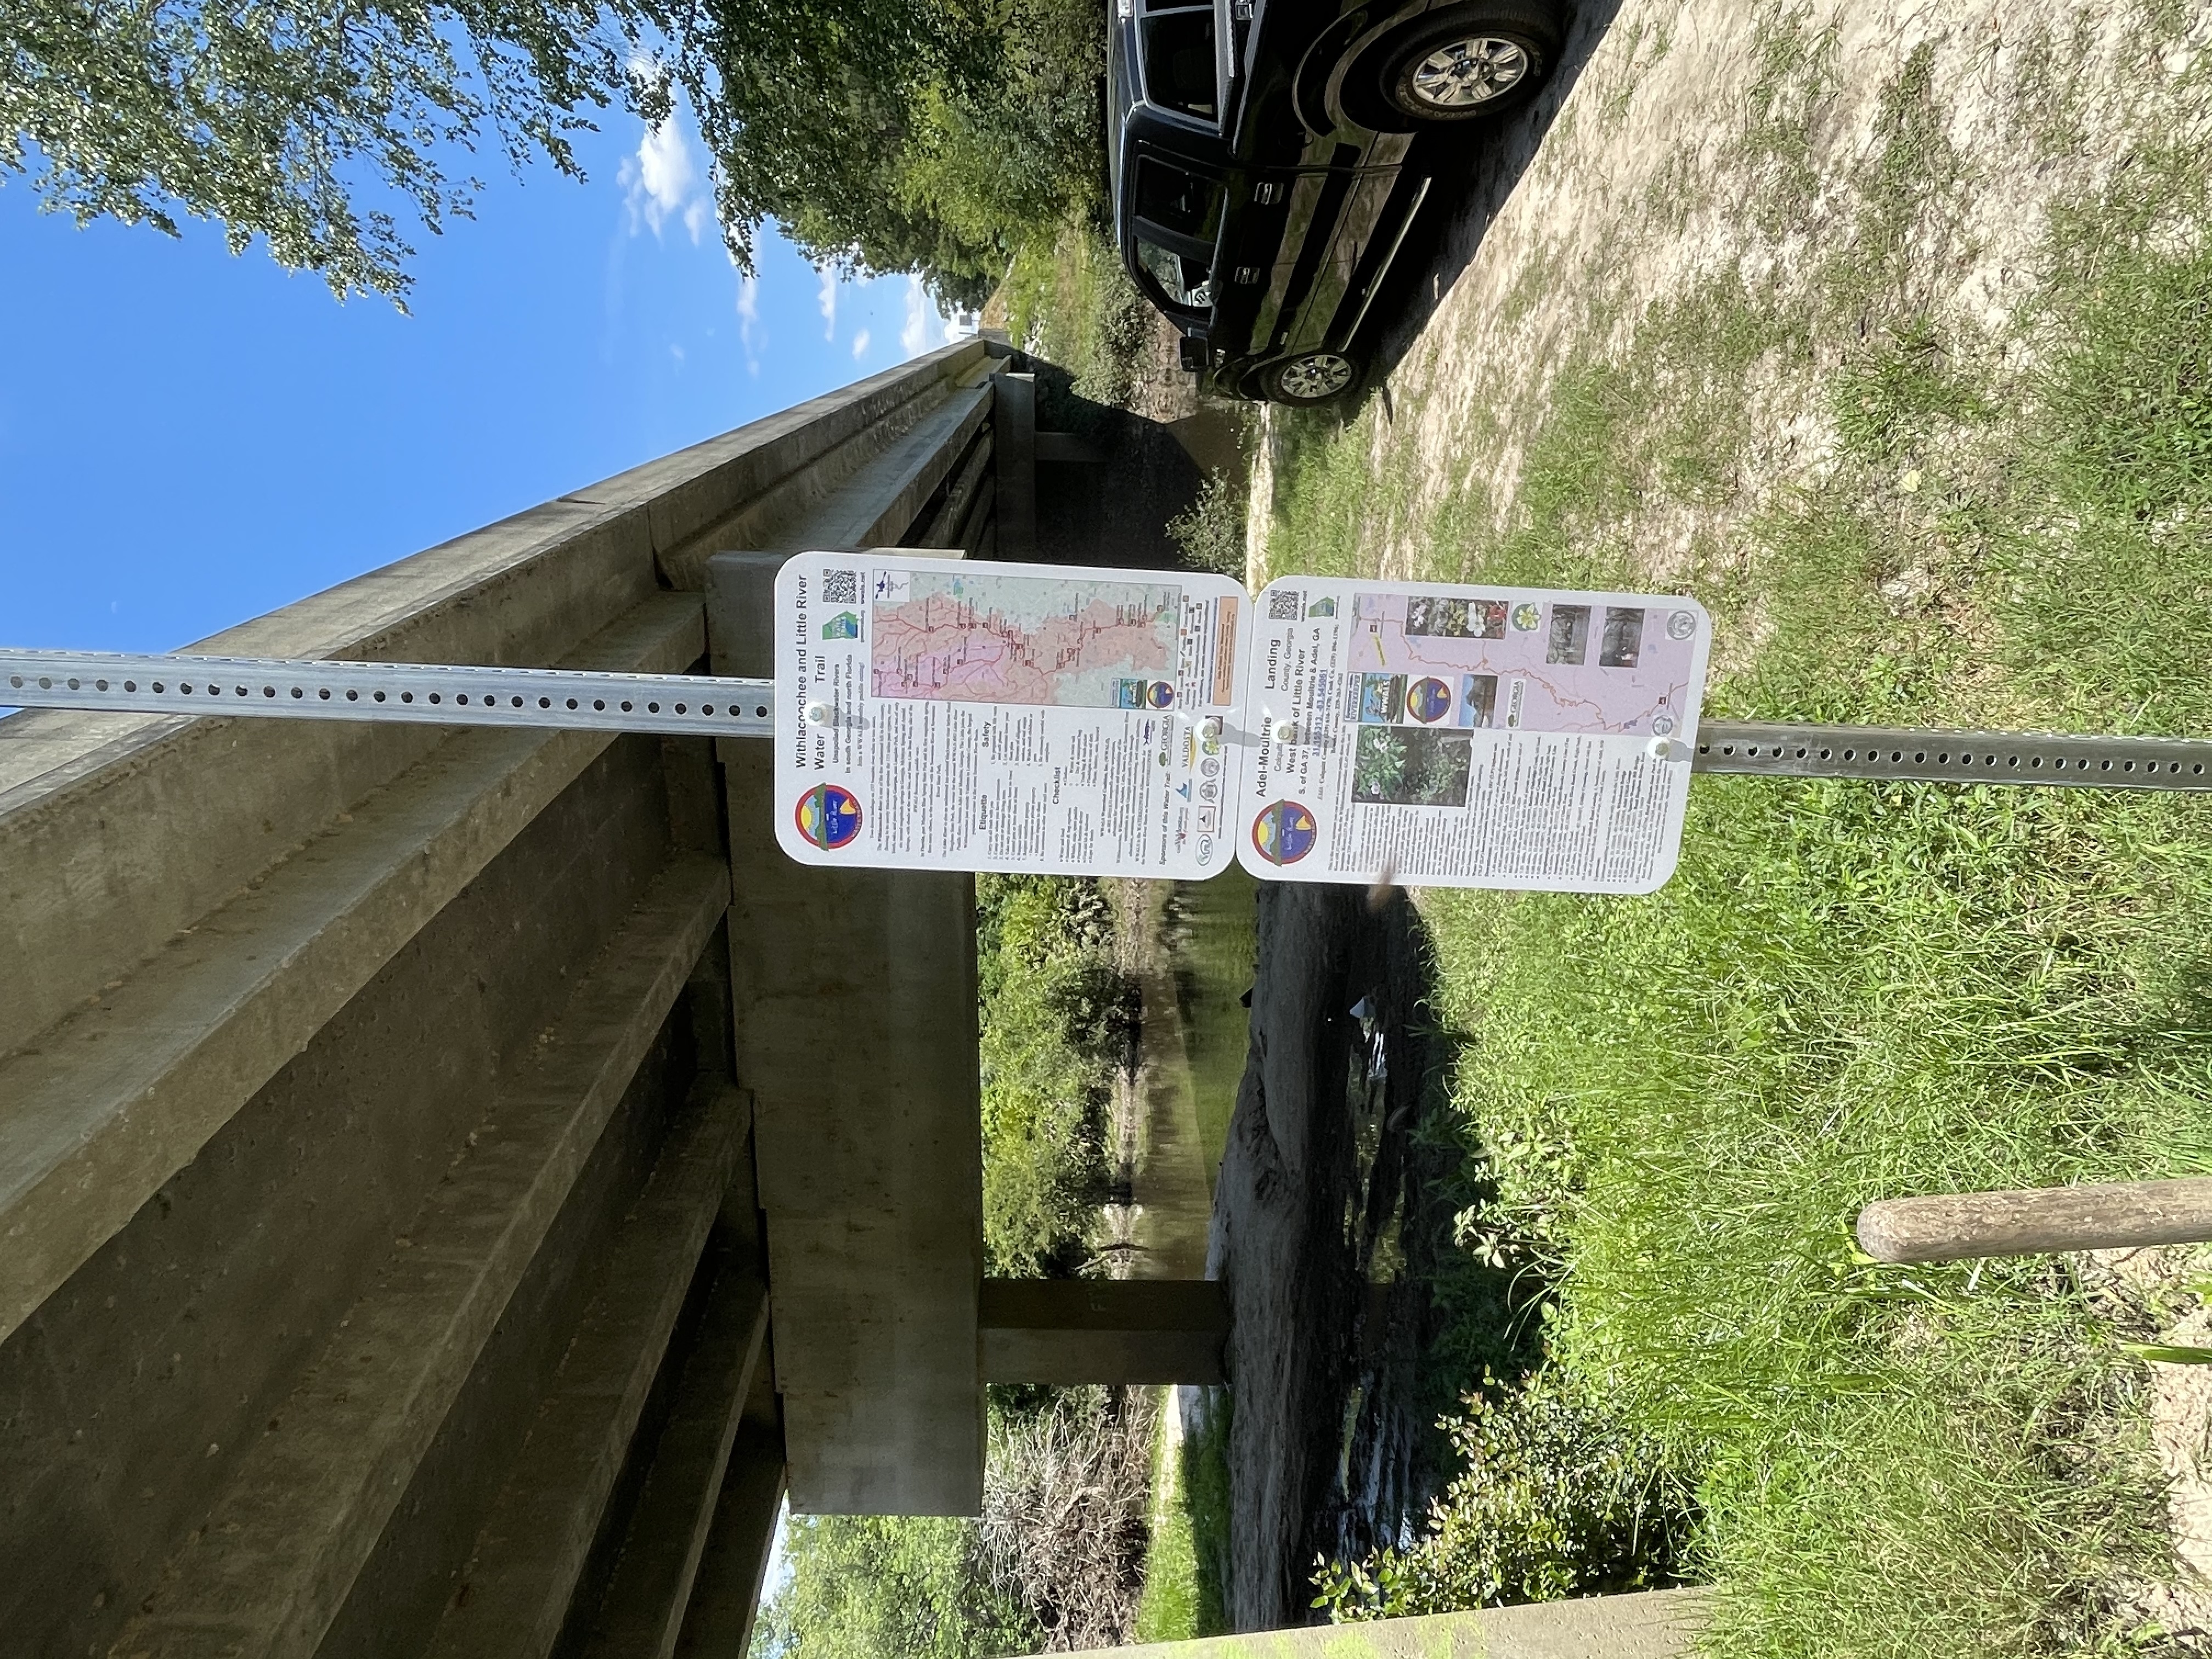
970 636
1519 665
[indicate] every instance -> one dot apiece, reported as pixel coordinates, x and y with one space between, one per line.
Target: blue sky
188 439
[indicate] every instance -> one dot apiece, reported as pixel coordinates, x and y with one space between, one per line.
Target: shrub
887 1587
1212 532
1556 1498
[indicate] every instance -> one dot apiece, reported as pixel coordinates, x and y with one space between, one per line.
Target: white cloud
827 300
860 345
662 180
914 338
749 321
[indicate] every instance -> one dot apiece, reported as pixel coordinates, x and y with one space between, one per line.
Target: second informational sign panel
1466 736
935 713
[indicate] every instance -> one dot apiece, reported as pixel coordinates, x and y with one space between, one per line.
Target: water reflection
1196 944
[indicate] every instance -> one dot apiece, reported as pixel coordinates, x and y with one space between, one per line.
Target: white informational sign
938 714
933 714
1470 736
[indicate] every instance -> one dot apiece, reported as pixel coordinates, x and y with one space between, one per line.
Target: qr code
840 588
1285 604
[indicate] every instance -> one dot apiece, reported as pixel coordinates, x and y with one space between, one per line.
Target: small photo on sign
1569 641
1428 700
1381 698
1478 699
1621 644
1455 618
1409 766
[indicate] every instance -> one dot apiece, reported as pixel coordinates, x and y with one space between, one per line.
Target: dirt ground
1683 139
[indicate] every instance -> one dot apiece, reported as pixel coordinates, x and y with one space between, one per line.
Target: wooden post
1951 1226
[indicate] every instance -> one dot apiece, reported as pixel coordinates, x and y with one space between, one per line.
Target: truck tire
1466 63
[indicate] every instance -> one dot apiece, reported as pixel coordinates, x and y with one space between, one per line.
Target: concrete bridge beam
363 1091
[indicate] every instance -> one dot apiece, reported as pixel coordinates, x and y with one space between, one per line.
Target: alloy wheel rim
1463 73
1321 375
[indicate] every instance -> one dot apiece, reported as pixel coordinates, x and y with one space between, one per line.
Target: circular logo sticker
1527 616
829 815
1428 701
1285 832
1681 624
1159 693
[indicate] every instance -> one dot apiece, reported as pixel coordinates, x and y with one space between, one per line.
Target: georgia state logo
829 815
1285 832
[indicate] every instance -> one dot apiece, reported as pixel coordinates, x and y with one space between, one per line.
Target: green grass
1850 990
1168 1606
1188 1556
1848 993
1068 296
1214 966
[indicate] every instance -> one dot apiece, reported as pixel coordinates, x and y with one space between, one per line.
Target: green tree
270 115
887 1587
883 135
1056 1019
899 135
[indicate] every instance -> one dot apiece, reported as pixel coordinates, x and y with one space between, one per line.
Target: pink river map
989 638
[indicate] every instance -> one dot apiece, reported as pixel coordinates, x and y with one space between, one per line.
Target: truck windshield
1179 62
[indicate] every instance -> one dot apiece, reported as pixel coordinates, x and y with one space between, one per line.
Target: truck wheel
1317 377
1467 64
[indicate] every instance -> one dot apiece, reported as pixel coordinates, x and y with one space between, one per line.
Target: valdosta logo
829 815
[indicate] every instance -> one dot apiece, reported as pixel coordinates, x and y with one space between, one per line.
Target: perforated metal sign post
681 704
426 693
1781 750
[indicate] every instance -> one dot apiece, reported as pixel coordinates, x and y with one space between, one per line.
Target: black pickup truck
1268 158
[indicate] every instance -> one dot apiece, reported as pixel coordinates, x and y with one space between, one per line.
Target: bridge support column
1103 1330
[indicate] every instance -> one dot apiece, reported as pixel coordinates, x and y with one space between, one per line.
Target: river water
1194 961
1324 1222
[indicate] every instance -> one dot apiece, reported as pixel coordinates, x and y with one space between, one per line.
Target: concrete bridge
454 1184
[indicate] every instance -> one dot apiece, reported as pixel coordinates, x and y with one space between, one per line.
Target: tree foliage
270 116
887 1587
1056 1020
883 135
1555 1497
900 135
